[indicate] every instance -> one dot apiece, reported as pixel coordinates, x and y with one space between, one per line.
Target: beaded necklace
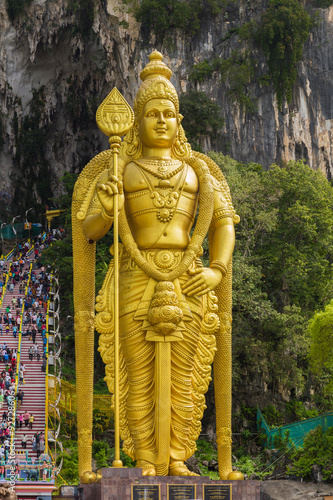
206 205
162 172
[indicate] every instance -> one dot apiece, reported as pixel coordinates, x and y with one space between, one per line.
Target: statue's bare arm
100 215
206 279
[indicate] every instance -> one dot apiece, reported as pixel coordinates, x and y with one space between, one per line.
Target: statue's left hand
204 280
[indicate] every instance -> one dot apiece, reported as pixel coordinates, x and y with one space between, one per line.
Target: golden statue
174 313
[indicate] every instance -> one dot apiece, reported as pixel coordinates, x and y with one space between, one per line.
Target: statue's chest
179 178
146 193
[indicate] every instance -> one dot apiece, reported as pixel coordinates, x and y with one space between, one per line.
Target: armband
106 216
217 264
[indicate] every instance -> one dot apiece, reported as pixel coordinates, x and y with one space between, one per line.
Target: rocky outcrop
294 490
304 129
44 53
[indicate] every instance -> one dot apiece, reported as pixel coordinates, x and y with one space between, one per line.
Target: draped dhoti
162 381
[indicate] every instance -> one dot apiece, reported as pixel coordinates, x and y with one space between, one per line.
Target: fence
67 400
297 431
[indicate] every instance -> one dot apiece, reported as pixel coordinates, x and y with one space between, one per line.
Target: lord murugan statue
174 313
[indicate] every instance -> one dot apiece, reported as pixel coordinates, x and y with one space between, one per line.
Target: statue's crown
155 67
156 84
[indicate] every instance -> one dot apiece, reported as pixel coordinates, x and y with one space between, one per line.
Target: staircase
34 378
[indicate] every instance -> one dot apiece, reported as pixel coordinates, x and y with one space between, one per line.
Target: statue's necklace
164 199
206 205
162 170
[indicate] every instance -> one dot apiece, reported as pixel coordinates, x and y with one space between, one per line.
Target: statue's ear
180 117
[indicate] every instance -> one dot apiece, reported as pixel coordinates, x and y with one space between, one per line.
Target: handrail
9 254
4 288
47 371
67 400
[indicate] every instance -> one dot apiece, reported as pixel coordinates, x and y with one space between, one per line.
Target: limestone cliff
54 73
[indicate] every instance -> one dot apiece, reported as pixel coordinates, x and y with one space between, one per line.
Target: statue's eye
150 113
170 114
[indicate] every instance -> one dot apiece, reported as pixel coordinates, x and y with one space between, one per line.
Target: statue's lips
161 130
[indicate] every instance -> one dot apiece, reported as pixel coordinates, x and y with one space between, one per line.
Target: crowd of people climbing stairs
25 286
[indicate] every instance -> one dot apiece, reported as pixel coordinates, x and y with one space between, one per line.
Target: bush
297 411
272 416
70 468
317 450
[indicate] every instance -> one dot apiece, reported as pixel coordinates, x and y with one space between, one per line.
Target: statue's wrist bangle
106 216
217 264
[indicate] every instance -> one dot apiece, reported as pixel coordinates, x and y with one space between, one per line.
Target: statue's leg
140 404
182 409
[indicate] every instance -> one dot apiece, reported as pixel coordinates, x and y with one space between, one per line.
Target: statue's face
158 124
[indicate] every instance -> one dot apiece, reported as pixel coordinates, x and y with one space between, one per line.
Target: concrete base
116 484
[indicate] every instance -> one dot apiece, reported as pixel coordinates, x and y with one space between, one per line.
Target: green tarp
9 234
297 430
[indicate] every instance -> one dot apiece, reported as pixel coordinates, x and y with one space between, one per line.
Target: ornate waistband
162 259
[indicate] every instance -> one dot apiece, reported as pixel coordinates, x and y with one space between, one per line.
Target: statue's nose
161 118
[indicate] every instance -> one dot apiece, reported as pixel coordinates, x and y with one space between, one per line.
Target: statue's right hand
107 190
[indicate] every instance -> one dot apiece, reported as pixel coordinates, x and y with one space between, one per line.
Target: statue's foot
235 475
88 477
148 469
180 469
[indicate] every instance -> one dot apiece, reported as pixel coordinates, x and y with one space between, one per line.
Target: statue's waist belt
162 259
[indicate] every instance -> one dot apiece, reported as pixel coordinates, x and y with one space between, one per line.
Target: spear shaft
115 118
115 147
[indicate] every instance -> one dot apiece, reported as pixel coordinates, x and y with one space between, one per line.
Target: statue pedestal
128 484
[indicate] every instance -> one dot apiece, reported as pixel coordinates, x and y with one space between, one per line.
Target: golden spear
115 118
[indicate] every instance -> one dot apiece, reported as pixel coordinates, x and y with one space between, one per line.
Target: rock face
292 490
304 129
56 72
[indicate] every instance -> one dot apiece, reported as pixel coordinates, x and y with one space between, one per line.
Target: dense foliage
83 12
237 71
284 29
321 350
322 4
161 18
316 450
282 270
202 116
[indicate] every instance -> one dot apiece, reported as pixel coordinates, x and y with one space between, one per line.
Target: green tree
321 347
202 116
282 268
